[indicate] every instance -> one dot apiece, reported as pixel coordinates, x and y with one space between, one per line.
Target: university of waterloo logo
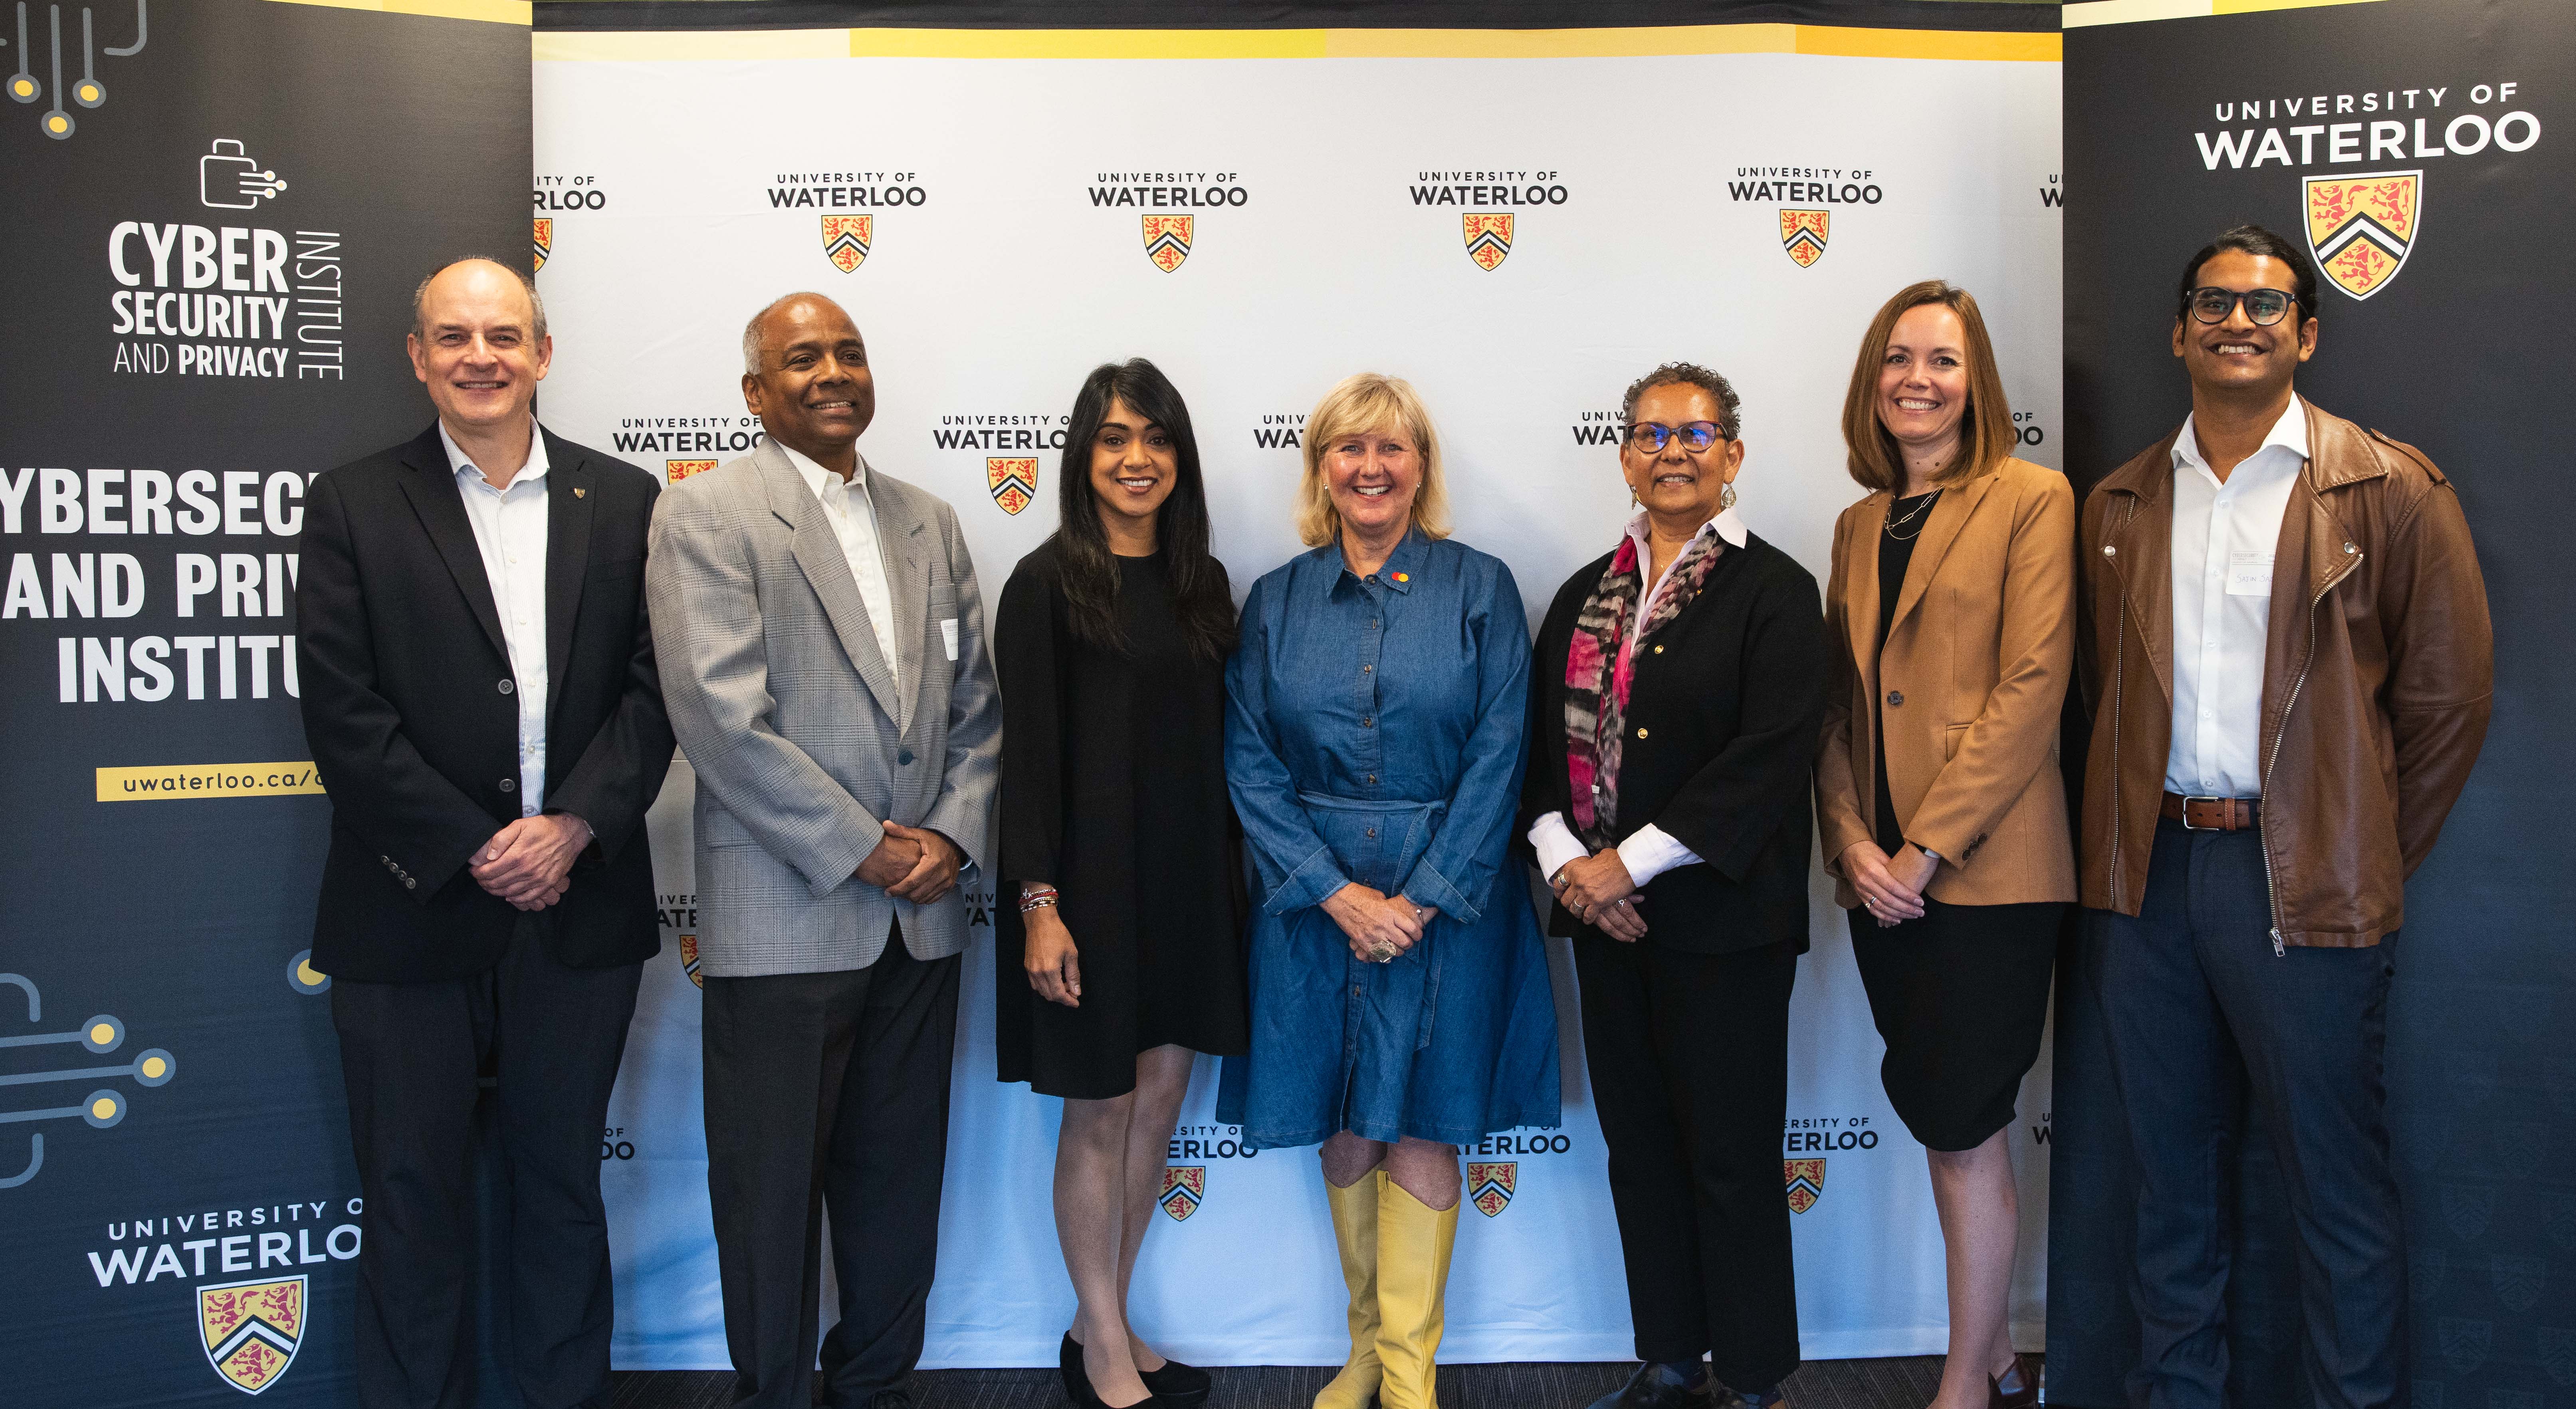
689 960
1806 1182
2361 227
1489 239
1184 1189
1014 482
1489 1186
677 470
845 240
545 239
1167 242
251 1329
1803 234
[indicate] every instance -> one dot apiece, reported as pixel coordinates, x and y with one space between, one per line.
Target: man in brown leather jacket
2288 662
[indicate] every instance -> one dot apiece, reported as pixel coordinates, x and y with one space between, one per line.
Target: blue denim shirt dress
1374 733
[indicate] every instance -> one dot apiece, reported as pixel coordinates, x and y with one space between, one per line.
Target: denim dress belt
1377 843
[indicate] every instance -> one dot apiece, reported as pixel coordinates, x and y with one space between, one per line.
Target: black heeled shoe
1177 1384
1077 1381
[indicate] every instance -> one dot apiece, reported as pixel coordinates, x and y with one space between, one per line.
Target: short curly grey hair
1729 420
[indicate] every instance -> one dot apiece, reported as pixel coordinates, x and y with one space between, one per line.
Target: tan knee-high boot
1413 1245
1355 1231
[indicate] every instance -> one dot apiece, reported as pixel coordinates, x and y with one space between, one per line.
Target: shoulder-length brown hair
1986 434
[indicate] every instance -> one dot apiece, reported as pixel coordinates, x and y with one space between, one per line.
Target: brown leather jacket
2376 680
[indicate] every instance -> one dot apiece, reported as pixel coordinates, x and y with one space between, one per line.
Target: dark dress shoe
1655 1386
1077 1381
1176 1383
2021 1396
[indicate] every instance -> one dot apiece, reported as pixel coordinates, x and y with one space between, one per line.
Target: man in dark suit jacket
482 703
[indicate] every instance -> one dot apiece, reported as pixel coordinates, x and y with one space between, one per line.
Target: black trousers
2200 1015
412 1055
828 1091
1689 1056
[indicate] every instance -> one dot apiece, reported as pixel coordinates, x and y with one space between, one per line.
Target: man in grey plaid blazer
823 661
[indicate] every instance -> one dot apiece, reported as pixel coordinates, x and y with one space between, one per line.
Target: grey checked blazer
802 742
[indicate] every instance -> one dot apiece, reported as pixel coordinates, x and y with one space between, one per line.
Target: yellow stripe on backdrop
2095 12
1295 43
518 12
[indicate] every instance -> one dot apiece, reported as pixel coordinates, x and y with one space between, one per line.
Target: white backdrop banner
1518 232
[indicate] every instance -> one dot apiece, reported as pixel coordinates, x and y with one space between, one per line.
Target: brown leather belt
2213 814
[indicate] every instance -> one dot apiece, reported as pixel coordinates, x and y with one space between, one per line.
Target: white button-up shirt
510 530
852 513
1649 851
2224 538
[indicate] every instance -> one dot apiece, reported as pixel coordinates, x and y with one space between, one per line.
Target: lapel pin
578 491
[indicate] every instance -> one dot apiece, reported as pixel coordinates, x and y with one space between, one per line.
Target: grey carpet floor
1904 1383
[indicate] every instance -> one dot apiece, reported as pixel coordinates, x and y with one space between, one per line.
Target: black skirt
1961 996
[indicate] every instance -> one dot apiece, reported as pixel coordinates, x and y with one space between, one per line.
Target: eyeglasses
2264 306
1695 436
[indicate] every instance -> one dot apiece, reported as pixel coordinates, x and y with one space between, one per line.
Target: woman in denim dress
1375 714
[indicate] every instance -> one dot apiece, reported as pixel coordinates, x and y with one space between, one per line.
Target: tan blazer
1972 679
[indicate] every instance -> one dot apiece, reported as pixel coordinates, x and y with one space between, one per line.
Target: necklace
1917 512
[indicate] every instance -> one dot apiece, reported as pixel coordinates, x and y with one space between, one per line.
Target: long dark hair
1199 586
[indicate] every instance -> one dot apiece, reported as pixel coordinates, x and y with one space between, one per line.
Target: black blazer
1730 695
416 736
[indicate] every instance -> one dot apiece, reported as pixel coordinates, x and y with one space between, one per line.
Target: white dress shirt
2224 537
1650 851
852 514
510 530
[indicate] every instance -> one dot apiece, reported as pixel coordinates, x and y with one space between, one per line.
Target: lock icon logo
227 179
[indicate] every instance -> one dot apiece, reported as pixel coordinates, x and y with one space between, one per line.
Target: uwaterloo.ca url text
179 782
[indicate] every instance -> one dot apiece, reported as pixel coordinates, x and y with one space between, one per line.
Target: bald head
755 342
478 343
479 270
806 376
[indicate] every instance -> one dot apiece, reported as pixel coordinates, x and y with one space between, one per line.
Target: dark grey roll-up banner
2422 147
216 212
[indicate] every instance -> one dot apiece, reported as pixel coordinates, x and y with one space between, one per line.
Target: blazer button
509 785
1659 650
1896 697
1641 733
507 687
410 884
2109 551
903 756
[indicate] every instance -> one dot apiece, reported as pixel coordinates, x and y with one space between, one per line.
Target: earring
1726 498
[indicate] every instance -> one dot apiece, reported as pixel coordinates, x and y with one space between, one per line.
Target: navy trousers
2202 1015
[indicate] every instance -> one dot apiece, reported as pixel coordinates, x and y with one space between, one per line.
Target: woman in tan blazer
1951 616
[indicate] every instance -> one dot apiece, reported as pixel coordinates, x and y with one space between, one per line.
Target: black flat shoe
1177 1384
1655 1387
1077 1381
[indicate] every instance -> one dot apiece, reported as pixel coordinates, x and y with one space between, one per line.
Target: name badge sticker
2249 573
948 628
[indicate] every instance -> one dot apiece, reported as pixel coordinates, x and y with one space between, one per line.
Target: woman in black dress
1117 844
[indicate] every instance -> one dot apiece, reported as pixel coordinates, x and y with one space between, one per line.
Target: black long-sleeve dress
1113 790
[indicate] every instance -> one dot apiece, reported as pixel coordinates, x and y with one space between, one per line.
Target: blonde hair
1367 401
1986 434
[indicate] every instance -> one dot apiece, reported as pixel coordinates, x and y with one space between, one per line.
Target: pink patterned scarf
1598 671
